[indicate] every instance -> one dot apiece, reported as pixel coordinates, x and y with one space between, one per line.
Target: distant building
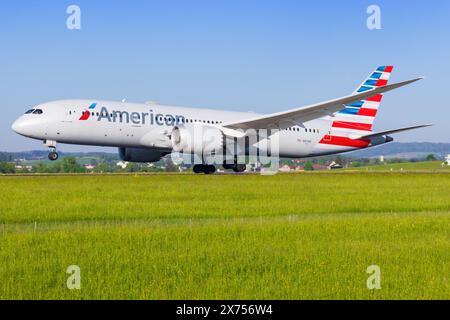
89 166
381 158
285 168
447 159
122 164
23 168
334 165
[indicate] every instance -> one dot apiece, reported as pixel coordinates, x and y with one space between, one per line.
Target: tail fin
360 115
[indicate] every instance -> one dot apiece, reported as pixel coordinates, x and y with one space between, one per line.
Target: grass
424 166
297 236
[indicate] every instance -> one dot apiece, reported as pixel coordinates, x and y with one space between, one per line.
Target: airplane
147 132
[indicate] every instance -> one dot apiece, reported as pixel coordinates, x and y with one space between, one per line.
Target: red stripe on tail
344 141
367 112
352 125
376 98
381 82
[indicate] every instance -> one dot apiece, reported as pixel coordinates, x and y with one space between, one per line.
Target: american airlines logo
86 114
138 118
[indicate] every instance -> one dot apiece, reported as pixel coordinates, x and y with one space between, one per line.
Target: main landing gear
204 168
210 169
53 154
235 167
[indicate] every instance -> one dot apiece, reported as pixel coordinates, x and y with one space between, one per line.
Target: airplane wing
383 133
298 116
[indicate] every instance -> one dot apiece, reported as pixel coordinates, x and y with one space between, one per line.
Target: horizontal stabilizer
383 133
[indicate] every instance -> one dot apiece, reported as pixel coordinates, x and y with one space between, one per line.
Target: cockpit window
37 111
29 111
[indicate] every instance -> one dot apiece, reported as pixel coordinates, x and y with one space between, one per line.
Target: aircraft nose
25 127
17 126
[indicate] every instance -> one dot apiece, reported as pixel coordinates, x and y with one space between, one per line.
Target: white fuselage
121 124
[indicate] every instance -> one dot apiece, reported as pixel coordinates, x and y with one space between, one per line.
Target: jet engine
202 140
140 154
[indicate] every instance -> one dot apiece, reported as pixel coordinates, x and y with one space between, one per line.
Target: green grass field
424 166
288 236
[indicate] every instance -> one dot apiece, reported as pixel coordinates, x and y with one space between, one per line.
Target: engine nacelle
140 155
202 140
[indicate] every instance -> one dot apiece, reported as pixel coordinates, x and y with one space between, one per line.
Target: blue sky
263 56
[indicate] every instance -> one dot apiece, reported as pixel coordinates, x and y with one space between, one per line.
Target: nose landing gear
52 155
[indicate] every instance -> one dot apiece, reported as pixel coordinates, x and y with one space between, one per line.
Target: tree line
70 165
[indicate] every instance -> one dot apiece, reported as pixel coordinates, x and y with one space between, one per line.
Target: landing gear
239 168
53 155
235 167
198 168
209 169
204 168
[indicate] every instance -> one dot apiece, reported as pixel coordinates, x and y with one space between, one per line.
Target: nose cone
26 127
17 126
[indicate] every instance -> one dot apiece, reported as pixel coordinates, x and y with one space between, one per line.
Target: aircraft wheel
209 169
52 156
198 168
227 166
239 168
